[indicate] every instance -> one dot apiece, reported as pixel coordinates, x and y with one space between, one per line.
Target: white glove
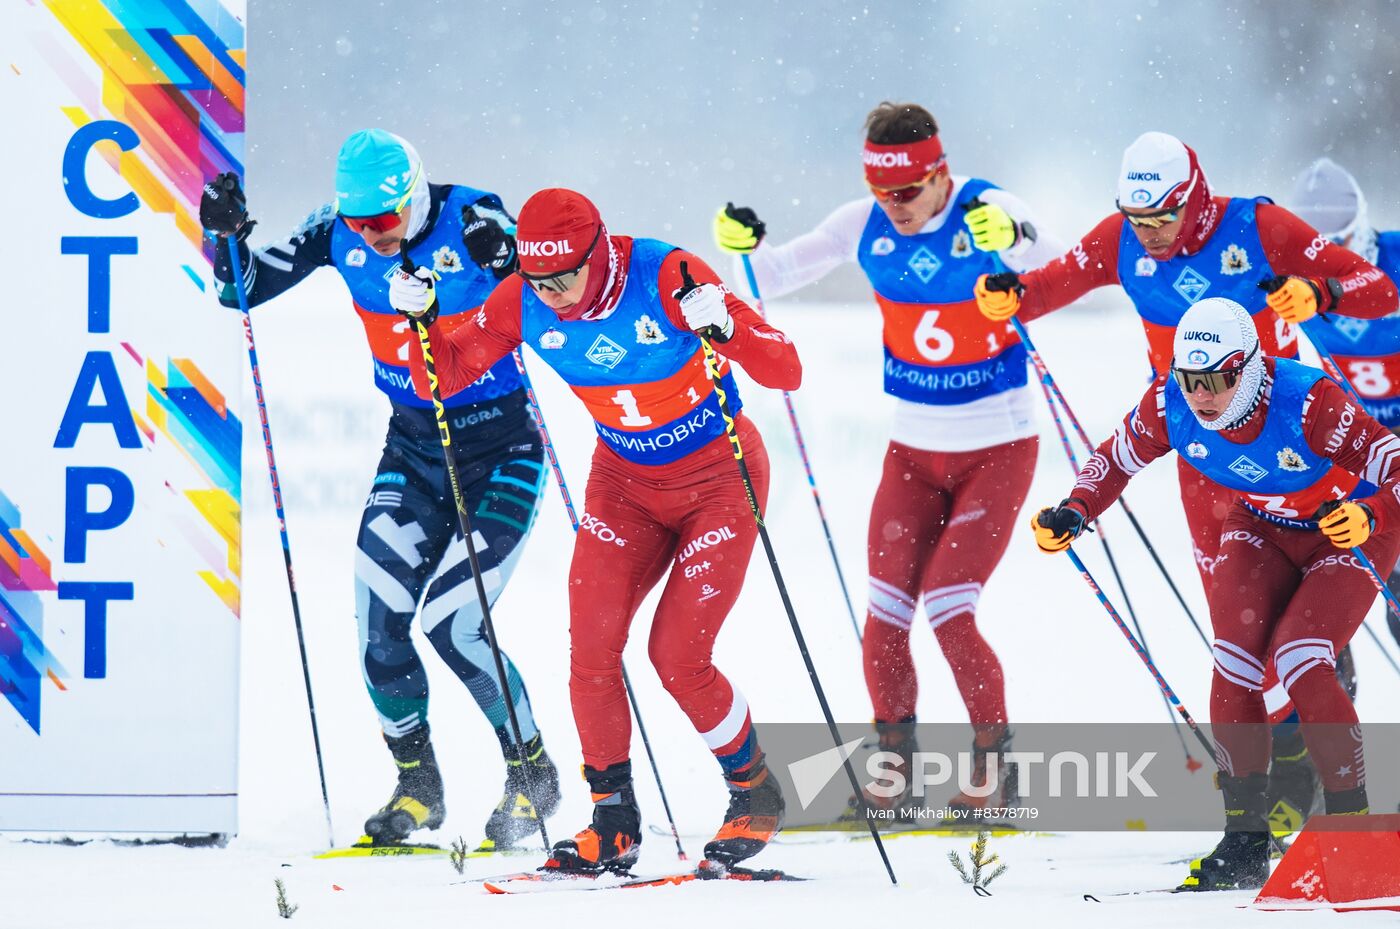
704 307
412 294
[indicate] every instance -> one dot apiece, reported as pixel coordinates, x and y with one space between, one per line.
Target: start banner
120 380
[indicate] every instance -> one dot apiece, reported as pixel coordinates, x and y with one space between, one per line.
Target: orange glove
1056 527
998 295
1346 524
1298 299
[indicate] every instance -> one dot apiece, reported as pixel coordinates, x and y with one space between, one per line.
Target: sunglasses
1215 382
905 194
382 223
1154 220
561 282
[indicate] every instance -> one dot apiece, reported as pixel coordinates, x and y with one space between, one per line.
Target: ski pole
563 486
807 466
732 432
465 524
1142 654
1048 384
1386 593
1191 763
241 288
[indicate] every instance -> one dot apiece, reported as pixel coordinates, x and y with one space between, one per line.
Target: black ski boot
897 737
1346 802
1241 860
1294 789
755 814
417 801
613 840
1005 791
531 778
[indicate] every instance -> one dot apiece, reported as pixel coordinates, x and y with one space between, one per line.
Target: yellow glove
998 295
738 229
992 228
1294 299
1056 527
1346 524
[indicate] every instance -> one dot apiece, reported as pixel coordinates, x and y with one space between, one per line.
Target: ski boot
613 840
1346 802
531 778
417 801
1004 791
1241 860
1293 784
755 815
899 738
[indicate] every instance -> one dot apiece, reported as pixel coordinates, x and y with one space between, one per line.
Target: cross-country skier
1368 351
1171 242
963 444
409 538
1309 474
617 318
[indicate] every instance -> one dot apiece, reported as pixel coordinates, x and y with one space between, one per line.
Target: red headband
892 166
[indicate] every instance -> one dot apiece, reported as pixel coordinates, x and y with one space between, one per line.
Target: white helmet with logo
1217 337
1327 197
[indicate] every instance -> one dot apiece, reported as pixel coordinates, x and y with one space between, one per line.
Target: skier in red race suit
617 318
1312 477
1173 242
963 445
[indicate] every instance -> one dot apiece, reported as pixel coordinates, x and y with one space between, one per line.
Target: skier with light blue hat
409 548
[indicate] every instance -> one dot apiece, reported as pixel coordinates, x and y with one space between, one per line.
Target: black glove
488 245
223 208
1005 281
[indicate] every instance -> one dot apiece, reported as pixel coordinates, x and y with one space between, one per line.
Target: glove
1056 527
999 295
223 208
738 229
412 293
488 245
1298 299
703 307
1346 523
992 228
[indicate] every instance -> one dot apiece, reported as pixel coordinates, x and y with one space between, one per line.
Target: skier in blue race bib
409 541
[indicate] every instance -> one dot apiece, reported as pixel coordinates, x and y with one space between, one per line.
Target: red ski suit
641 520
1278 593
1293 248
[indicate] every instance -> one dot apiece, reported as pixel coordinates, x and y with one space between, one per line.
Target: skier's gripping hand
992 228
1346 524
1296 299
1056 527
998 295
738 229
488 245
704 311
223 208
413 293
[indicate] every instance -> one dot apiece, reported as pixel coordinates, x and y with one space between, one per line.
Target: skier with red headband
1171 243
1309 472
617 317
963 446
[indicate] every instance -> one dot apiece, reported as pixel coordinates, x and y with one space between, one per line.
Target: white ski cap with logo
1214 332
1328 198
1156 172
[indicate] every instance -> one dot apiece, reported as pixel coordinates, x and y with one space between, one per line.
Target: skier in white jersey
963 447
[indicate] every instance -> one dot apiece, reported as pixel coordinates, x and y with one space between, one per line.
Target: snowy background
661 117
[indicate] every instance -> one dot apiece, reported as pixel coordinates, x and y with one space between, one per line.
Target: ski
553 881
368 848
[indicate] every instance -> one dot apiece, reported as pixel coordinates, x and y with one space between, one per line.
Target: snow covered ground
1064 662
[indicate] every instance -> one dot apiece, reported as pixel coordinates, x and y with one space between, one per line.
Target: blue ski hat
375 173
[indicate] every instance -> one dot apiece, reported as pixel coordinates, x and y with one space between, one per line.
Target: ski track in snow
1064 661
